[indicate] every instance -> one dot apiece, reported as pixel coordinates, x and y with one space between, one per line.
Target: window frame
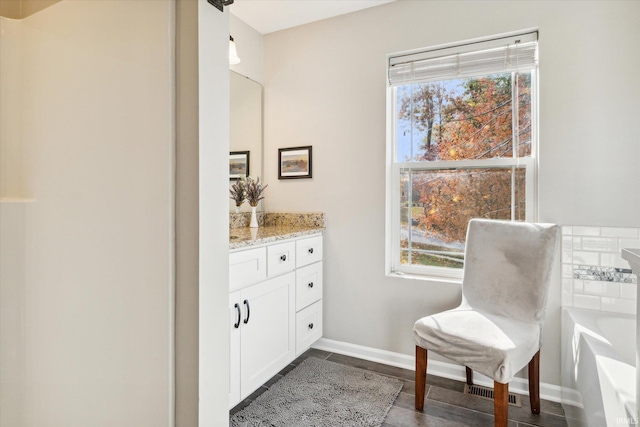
393 266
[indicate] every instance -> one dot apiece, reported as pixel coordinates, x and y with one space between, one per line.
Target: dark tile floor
445 404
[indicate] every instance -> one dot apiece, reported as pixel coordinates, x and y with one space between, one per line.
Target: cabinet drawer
247 267
308 285
281 258
308 250
308 326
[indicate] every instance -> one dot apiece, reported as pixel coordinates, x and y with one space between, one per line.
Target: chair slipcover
497 328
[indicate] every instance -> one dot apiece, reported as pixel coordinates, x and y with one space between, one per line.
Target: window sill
412 276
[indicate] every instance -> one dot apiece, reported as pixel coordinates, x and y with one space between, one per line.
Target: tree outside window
473 120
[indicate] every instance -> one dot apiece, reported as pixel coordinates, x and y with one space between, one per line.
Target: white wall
325 86
213 156
97 158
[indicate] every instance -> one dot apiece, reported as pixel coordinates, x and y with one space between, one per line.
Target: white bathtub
598 368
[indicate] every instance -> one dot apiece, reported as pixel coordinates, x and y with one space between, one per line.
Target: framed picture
238 164
294 163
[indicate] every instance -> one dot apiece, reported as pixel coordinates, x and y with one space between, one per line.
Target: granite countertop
244 237
273 227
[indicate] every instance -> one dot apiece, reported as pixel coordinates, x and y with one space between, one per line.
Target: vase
237 208
254 218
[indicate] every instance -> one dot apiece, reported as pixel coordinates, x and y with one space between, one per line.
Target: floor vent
487 393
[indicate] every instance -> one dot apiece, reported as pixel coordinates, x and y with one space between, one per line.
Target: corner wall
213 222
187 229
325 86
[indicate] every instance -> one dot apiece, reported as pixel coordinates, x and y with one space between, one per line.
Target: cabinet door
235 320
268 336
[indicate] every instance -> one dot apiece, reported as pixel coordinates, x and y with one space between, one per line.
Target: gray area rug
320 393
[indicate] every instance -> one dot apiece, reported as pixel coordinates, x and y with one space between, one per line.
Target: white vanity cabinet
275 309
262 333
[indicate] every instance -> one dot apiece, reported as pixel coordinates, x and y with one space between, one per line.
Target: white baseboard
434 367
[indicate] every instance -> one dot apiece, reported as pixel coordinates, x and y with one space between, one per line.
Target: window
462 144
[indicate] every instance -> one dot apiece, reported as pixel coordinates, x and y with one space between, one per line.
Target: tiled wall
594 274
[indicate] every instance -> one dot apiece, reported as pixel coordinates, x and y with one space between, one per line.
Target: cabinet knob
310 325
311 284
310 250
283 258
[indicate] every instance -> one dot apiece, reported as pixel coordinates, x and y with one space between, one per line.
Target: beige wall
12 311
96 140
186 333
12 168
325 86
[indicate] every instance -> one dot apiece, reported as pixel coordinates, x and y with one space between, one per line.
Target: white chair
497 328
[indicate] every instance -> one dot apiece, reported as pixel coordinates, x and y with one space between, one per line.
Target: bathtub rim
590 335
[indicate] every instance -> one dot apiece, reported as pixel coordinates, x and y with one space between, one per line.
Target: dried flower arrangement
238 191
254 191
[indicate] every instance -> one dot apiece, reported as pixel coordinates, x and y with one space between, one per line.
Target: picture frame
238 164
295 162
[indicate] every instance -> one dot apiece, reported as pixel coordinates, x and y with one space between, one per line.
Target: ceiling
267 16
19 9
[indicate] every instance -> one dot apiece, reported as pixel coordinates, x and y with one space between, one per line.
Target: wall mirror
245 130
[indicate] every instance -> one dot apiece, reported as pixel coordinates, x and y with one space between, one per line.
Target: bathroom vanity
275 299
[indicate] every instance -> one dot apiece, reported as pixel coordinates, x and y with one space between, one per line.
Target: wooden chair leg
421 376
500 403
469 375
534 383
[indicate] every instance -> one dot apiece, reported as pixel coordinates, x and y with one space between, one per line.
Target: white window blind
507 54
